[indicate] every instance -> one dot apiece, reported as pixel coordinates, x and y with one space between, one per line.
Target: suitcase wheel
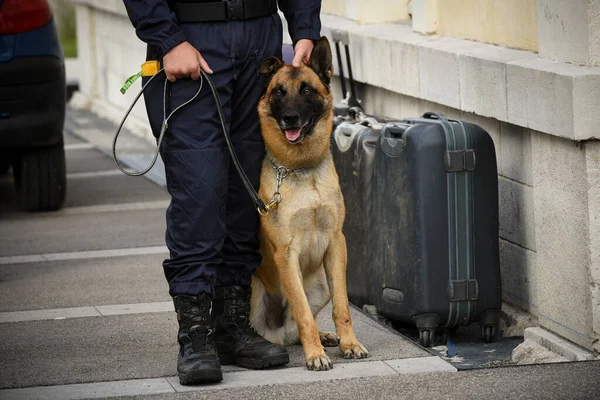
425 336
488 333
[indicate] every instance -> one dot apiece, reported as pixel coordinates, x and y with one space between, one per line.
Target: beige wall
511 23
334 7
368 11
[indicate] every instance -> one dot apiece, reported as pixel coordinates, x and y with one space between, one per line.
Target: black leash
260 205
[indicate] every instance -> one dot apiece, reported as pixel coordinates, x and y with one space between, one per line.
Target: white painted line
79 146
99 390
81 255
146 205
21 259
249 378
420 365
39 315
93 174
88 311
141 308
135 251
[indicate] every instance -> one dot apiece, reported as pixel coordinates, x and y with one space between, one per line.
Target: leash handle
260 205
163 128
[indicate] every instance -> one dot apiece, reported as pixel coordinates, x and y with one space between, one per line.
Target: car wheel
41 178
4 165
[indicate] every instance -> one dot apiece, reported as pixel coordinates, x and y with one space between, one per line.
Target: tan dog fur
302 244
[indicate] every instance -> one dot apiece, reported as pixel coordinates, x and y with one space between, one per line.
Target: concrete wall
539 107
570 31
109 53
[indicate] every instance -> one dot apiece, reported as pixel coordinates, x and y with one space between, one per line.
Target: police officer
211 220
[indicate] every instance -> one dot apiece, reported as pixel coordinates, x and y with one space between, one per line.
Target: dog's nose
291 118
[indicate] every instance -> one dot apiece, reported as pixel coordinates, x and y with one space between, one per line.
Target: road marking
21 259
81 175
105 208
81 255
87 311
93 174
145 205
140 308
79 146
231 380
40 315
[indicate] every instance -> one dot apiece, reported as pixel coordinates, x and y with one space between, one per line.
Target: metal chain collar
281 173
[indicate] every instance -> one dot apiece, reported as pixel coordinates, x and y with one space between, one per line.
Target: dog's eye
306 92
279 92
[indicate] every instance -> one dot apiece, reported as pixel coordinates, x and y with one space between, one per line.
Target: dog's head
297 103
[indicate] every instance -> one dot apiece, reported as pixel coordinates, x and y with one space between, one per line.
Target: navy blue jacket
157 26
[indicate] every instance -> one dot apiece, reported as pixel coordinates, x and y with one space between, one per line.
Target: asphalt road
546 382
85 312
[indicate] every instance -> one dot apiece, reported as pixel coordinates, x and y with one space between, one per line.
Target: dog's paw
329 339
354 350
320 363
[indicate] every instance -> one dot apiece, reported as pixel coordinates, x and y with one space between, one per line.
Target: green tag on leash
130 81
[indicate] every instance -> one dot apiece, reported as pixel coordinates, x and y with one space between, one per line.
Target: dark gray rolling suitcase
434 257
353 154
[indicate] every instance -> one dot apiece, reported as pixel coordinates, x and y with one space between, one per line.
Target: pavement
85 311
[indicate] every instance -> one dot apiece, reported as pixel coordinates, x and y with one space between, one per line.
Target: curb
558 345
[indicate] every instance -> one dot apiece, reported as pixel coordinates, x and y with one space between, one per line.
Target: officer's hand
302 52
184 61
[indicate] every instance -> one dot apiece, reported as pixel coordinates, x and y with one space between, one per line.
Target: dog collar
281 168
281 173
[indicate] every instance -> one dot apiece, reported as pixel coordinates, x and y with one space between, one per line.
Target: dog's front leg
335 268
291 279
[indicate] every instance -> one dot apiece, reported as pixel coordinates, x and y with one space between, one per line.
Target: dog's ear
269 66
321 60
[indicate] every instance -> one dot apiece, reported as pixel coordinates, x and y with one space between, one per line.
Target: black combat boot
197 361
236 341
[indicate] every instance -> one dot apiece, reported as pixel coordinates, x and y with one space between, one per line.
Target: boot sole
252 363
204 376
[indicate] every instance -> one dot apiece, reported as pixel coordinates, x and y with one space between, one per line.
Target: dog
301 241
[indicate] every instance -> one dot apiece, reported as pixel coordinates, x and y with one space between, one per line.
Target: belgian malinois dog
301 239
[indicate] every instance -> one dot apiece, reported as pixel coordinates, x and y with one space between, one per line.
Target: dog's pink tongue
292 134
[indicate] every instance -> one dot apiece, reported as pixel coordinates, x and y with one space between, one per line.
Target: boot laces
238 312
199 331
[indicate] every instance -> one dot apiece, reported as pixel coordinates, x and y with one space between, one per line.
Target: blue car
33 94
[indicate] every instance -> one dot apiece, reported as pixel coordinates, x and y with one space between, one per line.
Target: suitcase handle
392 139
394 131
433 115
344 136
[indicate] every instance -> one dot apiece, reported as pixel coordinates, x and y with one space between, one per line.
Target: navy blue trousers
211 221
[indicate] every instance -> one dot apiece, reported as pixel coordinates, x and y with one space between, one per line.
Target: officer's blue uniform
211 220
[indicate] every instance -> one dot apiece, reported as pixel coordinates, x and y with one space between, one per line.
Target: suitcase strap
460 163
